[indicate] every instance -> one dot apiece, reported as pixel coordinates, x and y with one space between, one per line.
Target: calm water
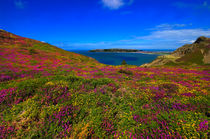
117 58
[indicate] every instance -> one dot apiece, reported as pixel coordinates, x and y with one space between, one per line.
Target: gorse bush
72 106
124 62
32 51
125 72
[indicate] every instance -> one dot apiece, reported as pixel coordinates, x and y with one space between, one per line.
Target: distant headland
115 50
119 50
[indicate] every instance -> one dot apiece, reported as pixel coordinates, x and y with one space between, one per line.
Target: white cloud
157 39
19 4
113 4
177 34
169 26
186 41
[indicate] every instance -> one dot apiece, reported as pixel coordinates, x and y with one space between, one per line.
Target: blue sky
91 24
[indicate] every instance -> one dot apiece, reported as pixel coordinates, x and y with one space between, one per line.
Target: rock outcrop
196 53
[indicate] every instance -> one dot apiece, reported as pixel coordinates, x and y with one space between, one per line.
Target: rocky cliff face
196 53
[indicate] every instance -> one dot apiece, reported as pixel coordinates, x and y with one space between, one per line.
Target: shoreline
142 52
160 52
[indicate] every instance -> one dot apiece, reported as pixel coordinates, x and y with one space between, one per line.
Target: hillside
21 55
197 53
46 92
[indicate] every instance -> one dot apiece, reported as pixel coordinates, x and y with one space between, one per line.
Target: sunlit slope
197 53
22 54
46 92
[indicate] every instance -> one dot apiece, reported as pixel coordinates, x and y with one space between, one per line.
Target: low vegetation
59 94
197 53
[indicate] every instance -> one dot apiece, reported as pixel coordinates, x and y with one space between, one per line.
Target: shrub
32 51
128 72
123 62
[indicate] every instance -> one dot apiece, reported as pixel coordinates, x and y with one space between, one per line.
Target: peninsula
115 50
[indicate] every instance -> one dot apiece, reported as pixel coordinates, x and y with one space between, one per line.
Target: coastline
142 52
158 52
118 50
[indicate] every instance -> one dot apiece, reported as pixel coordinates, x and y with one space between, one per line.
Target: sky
98 24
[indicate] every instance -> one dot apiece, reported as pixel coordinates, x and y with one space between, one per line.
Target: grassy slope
188 55
48 92
197 56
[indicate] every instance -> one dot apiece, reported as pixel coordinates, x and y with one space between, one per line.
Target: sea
116 58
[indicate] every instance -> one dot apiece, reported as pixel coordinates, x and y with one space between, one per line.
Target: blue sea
112 58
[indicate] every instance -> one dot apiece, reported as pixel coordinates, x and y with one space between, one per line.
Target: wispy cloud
186 41
169 26
176 34
166 36
116 4
113 4
206 4
200 5
130 2
20 4
97 45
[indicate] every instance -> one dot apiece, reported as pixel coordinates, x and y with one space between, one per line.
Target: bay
115 58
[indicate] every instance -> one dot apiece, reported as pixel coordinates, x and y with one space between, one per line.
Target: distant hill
115 50
197 53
